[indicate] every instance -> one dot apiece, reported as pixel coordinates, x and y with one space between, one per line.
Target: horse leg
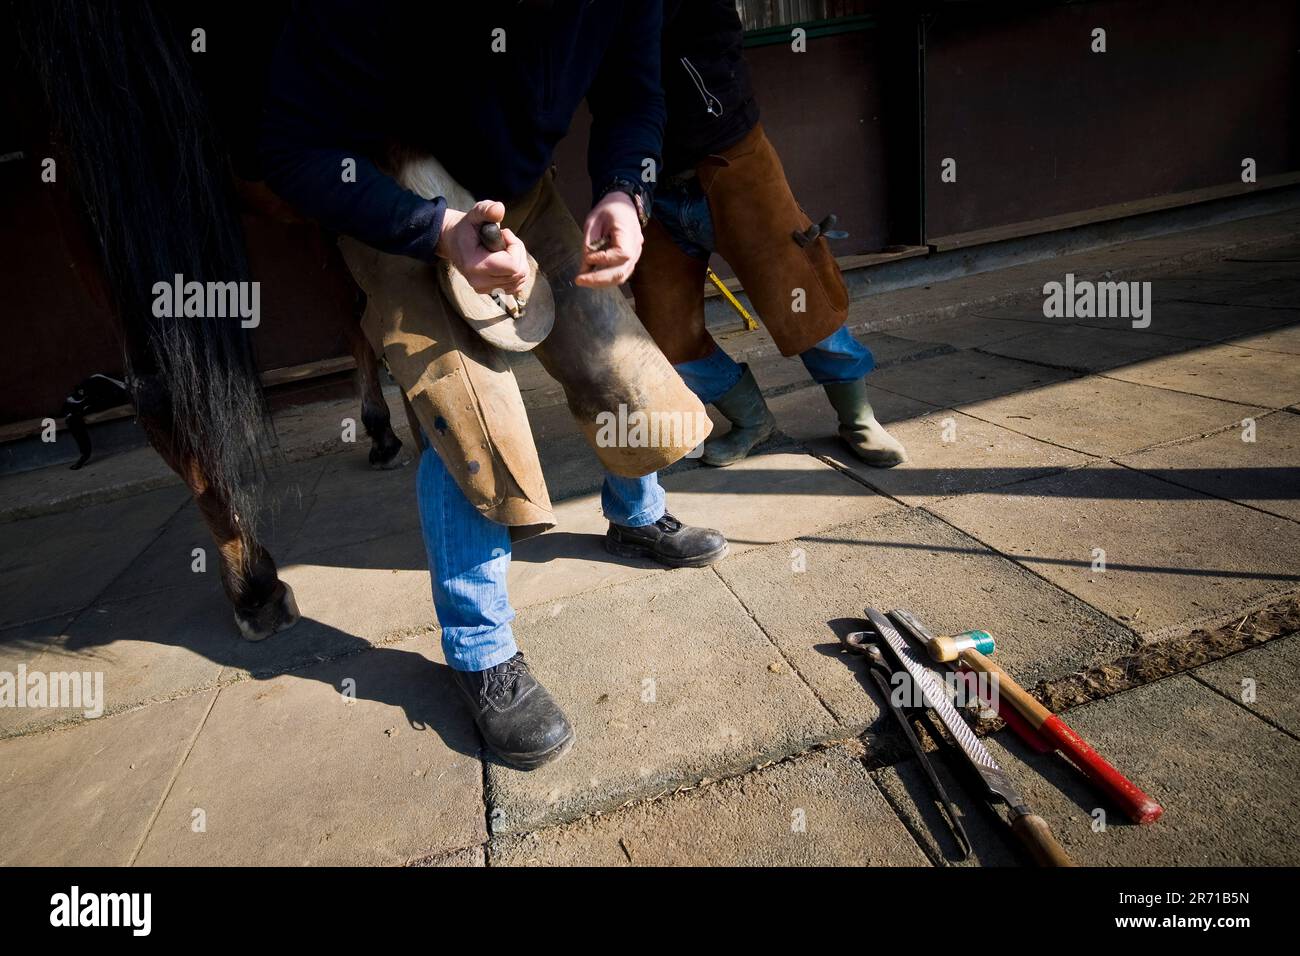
385 446
263 604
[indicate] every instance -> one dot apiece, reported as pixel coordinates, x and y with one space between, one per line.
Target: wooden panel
1040 126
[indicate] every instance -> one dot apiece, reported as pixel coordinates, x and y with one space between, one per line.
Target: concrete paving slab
1246 268
667 681
1105 417
85 796
1263 473
350 596
1221 289
951 454
106 477
1216 323
1282 252
287 771
910 559
965 377
368 591
821 809
473 856
169 561
355 503
150 647
770 497
20 648
1204 321
1085 349
1225 778
1285 339
969 333
1263 680
1174 558
61 562
806 415
1222 371
765 498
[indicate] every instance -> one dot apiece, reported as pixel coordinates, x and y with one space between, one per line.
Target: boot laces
668 524
501 682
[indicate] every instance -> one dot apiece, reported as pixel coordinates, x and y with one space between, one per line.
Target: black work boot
751 423
667 541
518 718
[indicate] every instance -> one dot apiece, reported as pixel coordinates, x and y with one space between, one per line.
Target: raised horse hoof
279 613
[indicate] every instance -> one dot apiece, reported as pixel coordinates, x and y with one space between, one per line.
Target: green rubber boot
751 423
859 428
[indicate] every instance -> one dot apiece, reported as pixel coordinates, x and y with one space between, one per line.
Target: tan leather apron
465 396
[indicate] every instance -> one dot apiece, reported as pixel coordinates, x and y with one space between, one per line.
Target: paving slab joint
1167 658
1237 702
171 781
780 653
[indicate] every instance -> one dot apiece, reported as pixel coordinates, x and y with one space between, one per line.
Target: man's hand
503 271
614 230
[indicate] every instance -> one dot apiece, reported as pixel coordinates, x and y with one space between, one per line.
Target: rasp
1030 828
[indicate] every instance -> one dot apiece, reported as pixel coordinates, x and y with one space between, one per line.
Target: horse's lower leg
263 604
385 446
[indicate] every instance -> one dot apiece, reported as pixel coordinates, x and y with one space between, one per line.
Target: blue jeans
683 209
837 358
470 555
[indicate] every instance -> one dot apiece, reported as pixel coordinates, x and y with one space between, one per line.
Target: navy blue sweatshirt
706 83
351 77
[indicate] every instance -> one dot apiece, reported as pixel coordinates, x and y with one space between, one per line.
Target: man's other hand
613 230
487 271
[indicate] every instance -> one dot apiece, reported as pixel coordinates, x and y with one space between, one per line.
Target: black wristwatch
639 195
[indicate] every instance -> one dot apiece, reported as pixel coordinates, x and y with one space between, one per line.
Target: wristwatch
639 195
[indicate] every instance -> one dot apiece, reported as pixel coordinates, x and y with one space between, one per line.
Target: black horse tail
158 192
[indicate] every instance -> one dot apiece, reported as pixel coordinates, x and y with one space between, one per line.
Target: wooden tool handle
1137 805
1038 840
1020 698
490 235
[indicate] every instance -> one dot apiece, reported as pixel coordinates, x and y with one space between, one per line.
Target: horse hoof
279 613
386 459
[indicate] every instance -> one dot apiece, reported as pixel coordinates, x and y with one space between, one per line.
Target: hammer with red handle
1136 804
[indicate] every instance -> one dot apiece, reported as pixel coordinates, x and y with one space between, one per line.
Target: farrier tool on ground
883 674
1030 828
982 641
1048 727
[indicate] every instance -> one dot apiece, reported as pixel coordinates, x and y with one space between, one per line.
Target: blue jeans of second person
469 557
837 358
683 209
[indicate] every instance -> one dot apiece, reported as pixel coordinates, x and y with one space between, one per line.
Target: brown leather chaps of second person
464 393
797 291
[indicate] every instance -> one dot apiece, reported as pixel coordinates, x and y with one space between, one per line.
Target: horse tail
157 189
